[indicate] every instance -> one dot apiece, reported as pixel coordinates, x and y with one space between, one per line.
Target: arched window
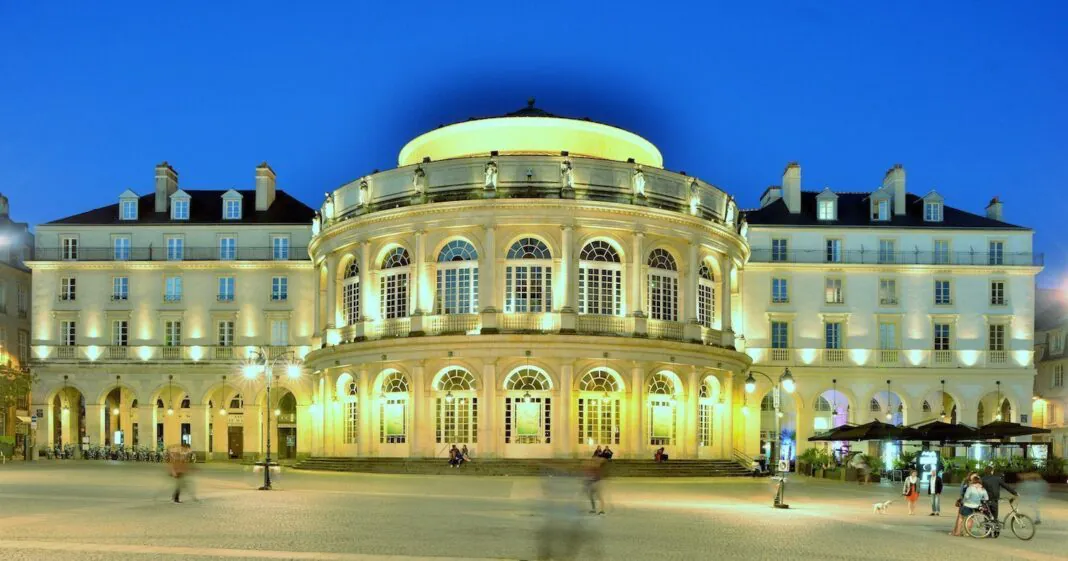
706 296
707 395
599 380
394 283
528 277
822 404
874 406
351 402
350 293
767 403
185 402
527 418
663 286
159 404
393 412
237 403
600 281
662 413
457 289
455 379
395 382
599 414
926 406
457 415
661 384
980 415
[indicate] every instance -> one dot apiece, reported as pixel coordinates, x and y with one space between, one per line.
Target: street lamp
785 382
258 361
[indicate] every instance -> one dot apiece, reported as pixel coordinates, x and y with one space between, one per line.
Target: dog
881 508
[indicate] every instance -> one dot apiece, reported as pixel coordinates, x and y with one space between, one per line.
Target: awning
22 419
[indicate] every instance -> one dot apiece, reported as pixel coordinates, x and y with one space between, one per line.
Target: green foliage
907 460
14 385
1055 466
815 457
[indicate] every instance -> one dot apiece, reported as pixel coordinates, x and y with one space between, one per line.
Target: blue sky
969 96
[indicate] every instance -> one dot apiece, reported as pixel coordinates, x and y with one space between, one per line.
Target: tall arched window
393 415
980 415
348 391
528 277
599 407
394 283
707 397
600 282
457 287
527 416
457 407
706 296
767 403
822 404
350 293
662 389
663 286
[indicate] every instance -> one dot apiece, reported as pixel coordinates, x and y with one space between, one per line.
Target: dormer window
932 212
880 209
827 206
128 205
180 205
231 205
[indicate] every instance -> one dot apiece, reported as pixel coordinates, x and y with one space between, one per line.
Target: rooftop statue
491 176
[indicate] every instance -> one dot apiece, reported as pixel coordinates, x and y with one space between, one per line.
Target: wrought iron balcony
876 257
294 253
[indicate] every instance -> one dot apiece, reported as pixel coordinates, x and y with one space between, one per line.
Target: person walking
934 488
994 483
973 496
178 467
911 491
594 482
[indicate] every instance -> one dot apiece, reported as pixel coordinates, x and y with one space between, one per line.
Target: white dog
881 508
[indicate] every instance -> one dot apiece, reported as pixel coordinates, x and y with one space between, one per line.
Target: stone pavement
98 510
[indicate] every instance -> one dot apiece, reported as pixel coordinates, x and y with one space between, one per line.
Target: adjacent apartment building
16 248
1050 394
144 310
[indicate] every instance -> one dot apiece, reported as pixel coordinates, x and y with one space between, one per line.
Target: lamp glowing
750 384
605 398
745 410
250 371
888 415
293 370
449 397
526 397
115 411
66 409
170 411
277 412
222 411
788 381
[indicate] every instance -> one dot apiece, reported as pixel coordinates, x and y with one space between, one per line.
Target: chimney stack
994 209
264 186
166 185
791 187
4 209
894 181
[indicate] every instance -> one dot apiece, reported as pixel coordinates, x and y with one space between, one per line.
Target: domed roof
530 131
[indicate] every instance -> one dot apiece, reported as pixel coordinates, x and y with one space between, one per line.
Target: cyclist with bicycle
994 483
972 497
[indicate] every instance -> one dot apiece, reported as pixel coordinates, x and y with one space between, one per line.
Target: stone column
727 440
305 430
366 313
420 285
94 422
725 301
331 291
636 292
637 408
567 274
317 320
416 433
693 385
366 400
487 280
692 328
252 432
146 424
566 444
198 425
489 437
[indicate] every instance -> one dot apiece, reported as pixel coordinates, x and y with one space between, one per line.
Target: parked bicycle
982 524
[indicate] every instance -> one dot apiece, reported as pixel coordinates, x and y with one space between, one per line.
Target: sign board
33 422
927 461
784 465
775 397
526 415
85 441
40 413
663 415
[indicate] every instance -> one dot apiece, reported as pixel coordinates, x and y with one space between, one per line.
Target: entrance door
287 442
236 442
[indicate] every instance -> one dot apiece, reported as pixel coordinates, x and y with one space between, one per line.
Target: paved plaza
110 511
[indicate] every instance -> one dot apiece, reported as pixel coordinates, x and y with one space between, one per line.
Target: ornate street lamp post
785 382
258 361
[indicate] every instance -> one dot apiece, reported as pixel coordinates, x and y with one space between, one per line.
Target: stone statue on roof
637 181
491 176
419 180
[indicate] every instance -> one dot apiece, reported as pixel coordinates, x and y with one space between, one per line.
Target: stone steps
502 467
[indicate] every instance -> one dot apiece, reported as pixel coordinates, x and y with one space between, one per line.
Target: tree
15 385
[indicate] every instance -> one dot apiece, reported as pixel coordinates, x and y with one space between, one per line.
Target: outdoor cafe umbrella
939 431
878 430
1006 429
833 435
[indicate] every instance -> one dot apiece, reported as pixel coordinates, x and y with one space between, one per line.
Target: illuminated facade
1051 395
16 247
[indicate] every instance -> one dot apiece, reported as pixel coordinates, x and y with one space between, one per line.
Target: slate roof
205 207
854 209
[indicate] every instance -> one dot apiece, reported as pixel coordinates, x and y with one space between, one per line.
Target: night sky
969 96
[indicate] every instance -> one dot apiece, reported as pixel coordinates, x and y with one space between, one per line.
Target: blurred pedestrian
1035 487
178 467
594 485
934 488
911 491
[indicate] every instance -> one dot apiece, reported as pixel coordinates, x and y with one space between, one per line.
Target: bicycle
982 524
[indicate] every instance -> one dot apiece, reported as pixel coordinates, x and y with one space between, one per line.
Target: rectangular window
232 210
996 255
941 252
23 299
833 293
1058 376
887 251
352 421
943 295
279 289
941 337
780 335
280 247
3 297
120 332
887 336
172 289
932 212
832 335
834 251
780 293
226 333
172 333
778 250
887 292
68 333
280 332
227 248
129 209
226 289
68 288
179 209
175 249
394 295
996 340
997 293
663 297
24 346
825 210
121 248
70 248
880 210
120 289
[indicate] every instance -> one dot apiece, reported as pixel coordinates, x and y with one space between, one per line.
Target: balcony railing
997 357
529 322
223 352
66 351
942 357
295 253
888 357
141 353
604 325
892 358
780 355
453 324
660 329
118 352
876 257
170 352
834 356
397 327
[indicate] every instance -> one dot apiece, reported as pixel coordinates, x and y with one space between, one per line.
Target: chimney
894 181
166 185
4 209
993 210
791 187
264 186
